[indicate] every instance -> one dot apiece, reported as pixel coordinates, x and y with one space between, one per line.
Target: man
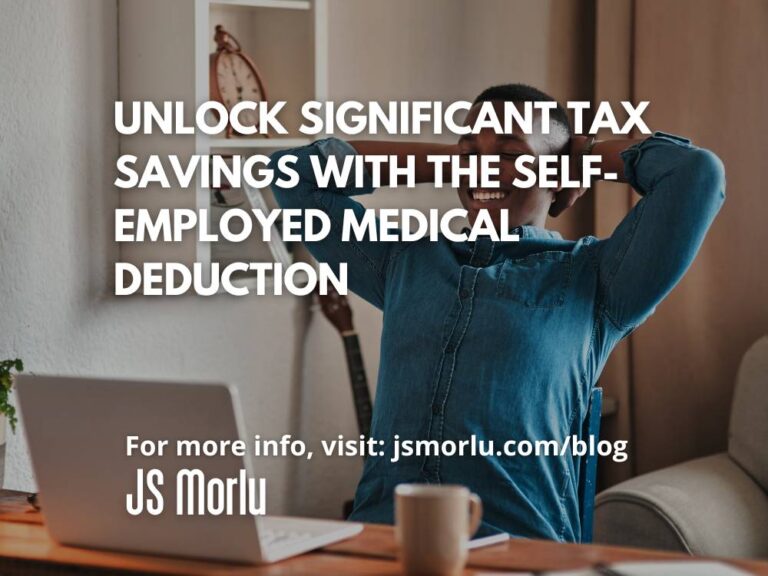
505 340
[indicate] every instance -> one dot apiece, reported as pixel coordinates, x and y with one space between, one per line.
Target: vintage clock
234 78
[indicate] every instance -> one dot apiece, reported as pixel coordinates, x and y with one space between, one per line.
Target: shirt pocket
536 281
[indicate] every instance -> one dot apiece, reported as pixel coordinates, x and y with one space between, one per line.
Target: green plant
6 383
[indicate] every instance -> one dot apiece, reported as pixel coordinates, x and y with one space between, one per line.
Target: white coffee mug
433 524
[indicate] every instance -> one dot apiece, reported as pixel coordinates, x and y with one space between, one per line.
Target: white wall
58 149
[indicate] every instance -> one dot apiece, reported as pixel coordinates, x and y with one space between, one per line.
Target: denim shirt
505 340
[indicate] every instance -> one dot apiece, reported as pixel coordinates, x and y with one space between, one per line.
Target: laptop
77 431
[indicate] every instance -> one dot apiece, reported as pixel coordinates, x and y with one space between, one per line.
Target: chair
713 506
588 465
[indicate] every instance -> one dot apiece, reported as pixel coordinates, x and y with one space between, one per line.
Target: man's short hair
523 93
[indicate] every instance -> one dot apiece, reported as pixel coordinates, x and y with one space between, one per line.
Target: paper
487 541
683 568
679 568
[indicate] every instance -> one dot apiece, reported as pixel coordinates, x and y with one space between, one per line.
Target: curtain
702 65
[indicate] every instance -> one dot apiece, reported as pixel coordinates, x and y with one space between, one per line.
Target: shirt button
435 409
464 294
449 349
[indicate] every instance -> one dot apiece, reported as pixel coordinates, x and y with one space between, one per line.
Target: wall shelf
165 50
282 4
261 143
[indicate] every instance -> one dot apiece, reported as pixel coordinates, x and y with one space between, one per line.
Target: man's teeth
484 196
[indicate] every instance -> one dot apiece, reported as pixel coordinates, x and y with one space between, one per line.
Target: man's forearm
609 151
683 187
425 171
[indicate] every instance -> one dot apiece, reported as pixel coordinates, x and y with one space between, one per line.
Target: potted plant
7 410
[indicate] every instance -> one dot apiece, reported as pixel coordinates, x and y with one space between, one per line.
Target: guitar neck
360 392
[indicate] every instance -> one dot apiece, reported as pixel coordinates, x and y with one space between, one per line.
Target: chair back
748 428
588 465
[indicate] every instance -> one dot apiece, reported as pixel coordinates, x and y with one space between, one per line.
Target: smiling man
505 340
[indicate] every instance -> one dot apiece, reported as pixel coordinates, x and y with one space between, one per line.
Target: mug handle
475 513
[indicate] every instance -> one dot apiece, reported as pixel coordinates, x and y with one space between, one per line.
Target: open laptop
76 429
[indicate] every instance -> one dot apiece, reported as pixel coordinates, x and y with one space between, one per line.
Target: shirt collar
530 233
536 233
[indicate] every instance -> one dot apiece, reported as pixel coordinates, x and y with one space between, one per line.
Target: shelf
269 143
286 39
283 4
281 44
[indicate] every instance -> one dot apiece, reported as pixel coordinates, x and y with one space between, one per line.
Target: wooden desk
25 548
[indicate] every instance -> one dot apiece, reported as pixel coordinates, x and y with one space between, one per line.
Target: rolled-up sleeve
366 260
682 188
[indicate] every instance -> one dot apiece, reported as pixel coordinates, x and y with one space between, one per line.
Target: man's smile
486 198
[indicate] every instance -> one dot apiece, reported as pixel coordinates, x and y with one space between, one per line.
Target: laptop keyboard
270 537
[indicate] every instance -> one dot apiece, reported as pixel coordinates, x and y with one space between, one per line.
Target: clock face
237 82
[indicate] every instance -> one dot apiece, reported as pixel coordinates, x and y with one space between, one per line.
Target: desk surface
25 548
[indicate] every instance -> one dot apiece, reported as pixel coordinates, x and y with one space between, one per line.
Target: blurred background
701 63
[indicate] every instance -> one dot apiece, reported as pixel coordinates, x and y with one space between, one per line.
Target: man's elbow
707 172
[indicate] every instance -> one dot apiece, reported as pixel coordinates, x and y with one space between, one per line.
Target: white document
487 540
678 568
683 568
